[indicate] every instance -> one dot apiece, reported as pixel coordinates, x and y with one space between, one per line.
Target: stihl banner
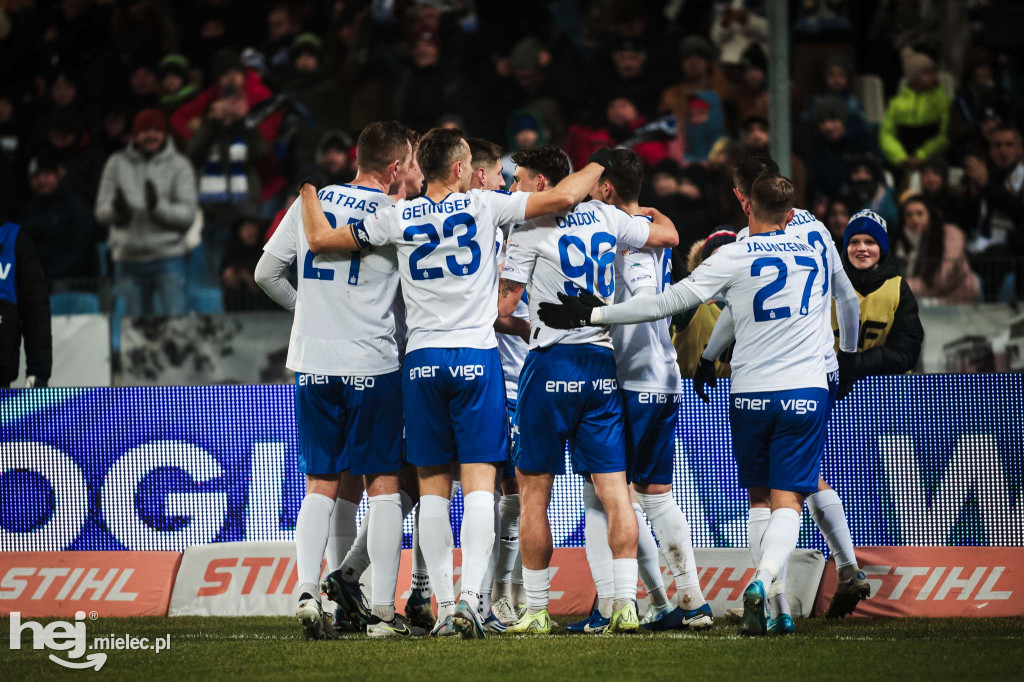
936 582
725 573
105 583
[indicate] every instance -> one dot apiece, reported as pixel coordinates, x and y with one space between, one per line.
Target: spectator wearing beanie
176 86
148 198
917 119
692 329
890 329
60 224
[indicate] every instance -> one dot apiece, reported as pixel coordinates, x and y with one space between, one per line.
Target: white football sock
508 534
673 530
829 516
599 552
385 550
516 586
437 543
757 522
777 544
537 584
484 608
777 603
625 571
647 561
358 558
343 532
311 529
420 578
477 538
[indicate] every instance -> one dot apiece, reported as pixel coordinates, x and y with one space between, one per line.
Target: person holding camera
228 151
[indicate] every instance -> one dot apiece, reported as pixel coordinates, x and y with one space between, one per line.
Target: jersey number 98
595 264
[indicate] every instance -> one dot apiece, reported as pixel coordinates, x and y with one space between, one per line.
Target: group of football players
450 333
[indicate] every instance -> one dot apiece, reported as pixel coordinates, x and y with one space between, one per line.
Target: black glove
318 180
150 195
122 213
572 313
703 376
847 373
602 156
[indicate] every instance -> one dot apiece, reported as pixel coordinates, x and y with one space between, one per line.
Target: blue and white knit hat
867 222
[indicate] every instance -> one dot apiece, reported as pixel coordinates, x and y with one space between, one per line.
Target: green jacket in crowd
916 123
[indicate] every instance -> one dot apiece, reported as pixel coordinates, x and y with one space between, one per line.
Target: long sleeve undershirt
270 276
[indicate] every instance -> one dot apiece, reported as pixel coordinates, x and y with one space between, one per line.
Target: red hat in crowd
149 119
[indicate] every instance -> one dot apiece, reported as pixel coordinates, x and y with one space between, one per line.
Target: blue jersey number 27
762 314
309 271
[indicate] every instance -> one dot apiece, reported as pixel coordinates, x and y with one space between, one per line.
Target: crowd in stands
154 144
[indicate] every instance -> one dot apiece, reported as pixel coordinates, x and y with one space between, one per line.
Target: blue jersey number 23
464 240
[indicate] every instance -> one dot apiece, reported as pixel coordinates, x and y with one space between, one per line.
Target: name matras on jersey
570 254
344 321
772 284
447 263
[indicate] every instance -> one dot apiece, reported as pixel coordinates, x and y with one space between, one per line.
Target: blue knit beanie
867 222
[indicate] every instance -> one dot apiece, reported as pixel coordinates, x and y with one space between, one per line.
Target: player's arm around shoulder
319 234
663 230
566 194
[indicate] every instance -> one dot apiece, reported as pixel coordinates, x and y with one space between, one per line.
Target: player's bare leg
311 532
437 542
613 492
829 516
477 536
535 548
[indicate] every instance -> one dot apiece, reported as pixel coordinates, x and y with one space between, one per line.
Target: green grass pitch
243 649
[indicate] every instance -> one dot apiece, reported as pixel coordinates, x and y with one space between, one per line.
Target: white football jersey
344 320
568 254
645 358
513 349
772 285
447 263
808 228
